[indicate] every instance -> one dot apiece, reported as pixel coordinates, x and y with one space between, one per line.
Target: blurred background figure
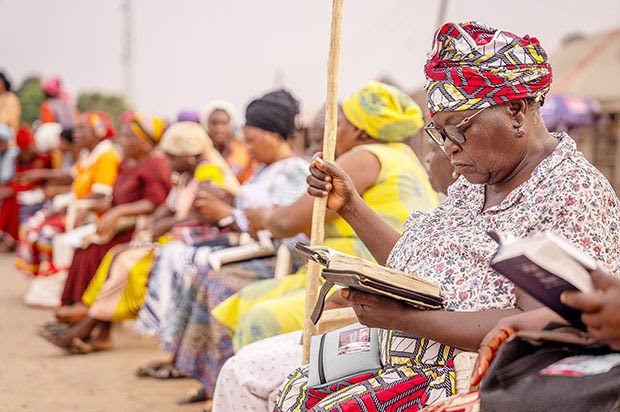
56 106
10 108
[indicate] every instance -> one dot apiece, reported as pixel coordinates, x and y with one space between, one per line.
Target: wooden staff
329 148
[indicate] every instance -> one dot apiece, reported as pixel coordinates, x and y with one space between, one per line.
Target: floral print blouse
565 195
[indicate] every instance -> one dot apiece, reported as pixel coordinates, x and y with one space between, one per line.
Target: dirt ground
36 376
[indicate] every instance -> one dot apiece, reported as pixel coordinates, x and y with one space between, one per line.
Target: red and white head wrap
471 66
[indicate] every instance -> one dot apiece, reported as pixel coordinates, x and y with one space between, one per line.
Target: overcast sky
187 52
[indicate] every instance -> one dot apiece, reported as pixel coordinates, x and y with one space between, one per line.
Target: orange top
96 172
240 161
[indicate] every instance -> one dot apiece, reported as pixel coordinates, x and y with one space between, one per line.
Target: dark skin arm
57 176
463 330
362 166
329 179
108 220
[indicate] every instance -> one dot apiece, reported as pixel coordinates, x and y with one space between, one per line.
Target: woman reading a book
484 87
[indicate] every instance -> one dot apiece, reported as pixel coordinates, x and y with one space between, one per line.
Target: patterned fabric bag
557 369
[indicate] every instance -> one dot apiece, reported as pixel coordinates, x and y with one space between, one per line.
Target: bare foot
71 314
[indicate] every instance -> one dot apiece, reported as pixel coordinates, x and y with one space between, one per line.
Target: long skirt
182 291
85 265
12 214
251 379
265 309
416 372
117 290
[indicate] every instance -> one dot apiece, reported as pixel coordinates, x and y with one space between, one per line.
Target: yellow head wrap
383 111
148 128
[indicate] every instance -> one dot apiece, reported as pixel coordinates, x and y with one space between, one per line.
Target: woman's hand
601 308
258 218
328 179
107 223
375 311
211 207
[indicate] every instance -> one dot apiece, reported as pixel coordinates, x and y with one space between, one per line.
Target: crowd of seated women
127 225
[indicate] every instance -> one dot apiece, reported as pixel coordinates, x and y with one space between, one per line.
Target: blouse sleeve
586 212
157 181
104 173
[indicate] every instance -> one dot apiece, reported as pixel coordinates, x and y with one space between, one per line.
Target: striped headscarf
100 123
148 128
383 111
471 66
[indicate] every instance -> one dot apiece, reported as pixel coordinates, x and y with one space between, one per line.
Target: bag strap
320 302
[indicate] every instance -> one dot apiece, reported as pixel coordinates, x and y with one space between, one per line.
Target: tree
112 105
31 98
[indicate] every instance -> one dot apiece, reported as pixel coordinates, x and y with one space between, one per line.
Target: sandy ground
36 376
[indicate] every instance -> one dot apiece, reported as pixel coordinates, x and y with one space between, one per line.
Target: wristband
227 221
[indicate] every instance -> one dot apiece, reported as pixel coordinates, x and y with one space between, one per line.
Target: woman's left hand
211 207
107 223
375 311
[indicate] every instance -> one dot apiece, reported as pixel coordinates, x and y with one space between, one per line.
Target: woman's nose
449 147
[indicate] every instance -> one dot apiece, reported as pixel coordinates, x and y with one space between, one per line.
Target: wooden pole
329 148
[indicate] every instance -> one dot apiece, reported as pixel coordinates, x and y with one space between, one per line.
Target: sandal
56 340
160 370
193 395
53 327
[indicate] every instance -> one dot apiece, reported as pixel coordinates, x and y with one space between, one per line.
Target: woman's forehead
445 117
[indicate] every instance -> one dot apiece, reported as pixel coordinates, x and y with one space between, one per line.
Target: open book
353 272
544 266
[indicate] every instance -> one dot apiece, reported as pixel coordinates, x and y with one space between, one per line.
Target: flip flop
56 340
194 395
53 327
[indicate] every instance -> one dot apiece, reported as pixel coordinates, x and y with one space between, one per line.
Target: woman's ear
517 110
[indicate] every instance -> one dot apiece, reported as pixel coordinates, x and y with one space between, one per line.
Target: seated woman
12 213
601 315
218 119
181 267
396 184
117 290
143 184
257 387
91 178
516 178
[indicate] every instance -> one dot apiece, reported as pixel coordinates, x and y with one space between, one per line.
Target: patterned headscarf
472 66
383 111
148 128
100 123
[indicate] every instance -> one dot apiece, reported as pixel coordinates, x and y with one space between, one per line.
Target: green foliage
31 97
110 104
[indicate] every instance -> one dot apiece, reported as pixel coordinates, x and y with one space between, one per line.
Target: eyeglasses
450 131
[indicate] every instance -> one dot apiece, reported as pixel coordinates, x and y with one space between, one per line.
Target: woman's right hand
328 179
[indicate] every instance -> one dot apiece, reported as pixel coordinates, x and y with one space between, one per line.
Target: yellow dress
276 306
117 290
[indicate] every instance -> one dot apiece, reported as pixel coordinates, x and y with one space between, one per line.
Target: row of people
237 331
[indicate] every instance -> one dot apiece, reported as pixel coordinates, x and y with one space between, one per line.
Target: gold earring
455 175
